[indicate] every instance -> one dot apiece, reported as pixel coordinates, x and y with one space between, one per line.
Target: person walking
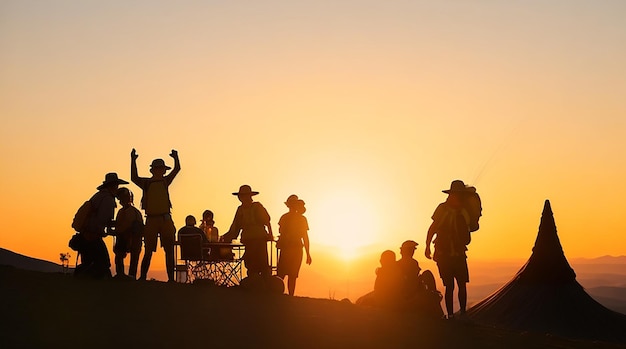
293 230
157 206
451 228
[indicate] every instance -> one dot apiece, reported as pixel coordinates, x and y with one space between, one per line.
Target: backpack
473 206
82 216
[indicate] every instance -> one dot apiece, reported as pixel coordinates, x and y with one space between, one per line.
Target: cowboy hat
111 178
246 190
156 163
456 186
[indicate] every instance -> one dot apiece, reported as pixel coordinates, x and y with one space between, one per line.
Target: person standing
157 206
95 260
128 235
293 229
253 222
451 227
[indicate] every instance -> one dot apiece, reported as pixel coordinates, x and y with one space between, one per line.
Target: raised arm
134 176
170 177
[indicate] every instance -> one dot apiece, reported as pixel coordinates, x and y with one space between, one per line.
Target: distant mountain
600 260
27 263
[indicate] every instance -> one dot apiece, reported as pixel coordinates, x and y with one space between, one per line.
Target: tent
545 297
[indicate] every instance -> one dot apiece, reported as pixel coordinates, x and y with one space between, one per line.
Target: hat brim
448 191
166 167
118 182
252 193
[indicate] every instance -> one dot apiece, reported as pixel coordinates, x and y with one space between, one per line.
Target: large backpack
82 216
473 206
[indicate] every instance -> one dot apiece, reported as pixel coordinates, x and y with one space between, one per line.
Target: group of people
401 284
398 283
251 221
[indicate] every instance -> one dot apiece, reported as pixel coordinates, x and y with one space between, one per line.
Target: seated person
387 286
409 268
419 290
191 229
208 226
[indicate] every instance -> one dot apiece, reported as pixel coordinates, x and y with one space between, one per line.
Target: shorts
159 226
451 268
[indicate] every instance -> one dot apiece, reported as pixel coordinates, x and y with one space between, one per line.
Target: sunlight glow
350 224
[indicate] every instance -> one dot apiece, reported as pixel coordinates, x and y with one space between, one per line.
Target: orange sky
365 110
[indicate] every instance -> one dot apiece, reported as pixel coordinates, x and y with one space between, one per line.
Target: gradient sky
365 109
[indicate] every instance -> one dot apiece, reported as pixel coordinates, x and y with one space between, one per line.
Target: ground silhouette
53 310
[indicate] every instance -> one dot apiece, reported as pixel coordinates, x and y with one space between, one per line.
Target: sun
348 223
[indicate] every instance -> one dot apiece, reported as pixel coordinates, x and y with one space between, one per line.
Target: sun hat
456 186
246 190
409 244
111 178
156 163
291 200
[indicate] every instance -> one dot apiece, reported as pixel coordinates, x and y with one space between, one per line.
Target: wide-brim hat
246 190
111 178
156 163
457 186
292 199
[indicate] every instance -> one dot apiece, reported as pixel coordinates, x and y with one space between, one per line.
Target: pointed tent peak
548 261
547 209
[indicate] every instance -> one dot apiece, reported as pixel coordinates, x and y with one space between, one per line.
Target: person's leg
291 284
168 235
150 242
462 296
449 299
145 264
134 262
119 264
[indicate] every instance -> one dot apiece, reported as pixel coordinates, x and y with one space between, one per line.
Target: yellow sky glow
365 111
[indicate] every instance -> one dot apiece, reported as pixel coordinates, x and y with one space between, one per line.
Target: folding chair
192 253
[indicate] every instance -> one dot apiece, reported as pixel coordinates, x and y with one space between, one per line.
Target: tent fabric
545 297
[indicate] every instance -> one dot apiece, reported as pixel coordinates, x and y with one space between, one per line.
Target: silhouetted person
387 286
191 229
157 205
208 226
293 229
409 268
95 260
451 227
128 234
251 220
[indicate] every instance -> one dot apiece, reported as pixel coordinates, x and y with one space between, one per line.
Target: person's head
111 182
292 200
125 196
245 194
456 192
207 215
299 206
190 221
158 168
387 258
408 248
